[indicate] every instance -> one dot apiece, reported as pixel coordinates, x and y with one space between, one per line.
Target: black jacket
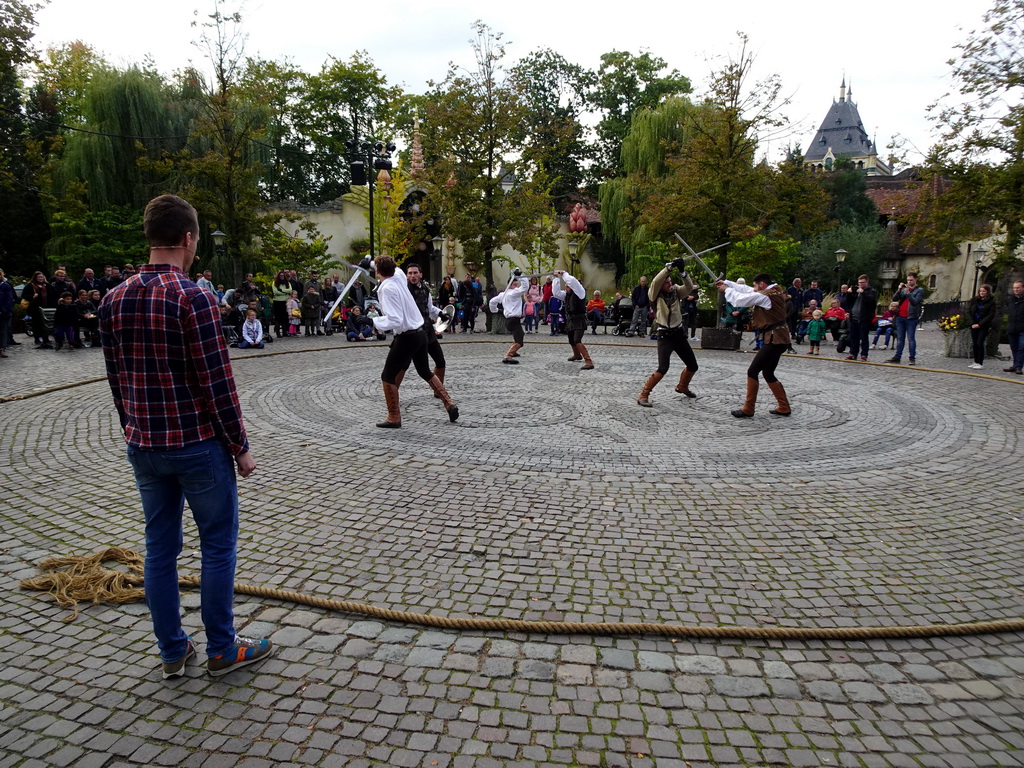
982 312
1015 314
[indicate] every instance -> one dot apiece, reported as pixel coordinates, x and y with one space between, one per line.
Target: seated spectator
834 317
806 315
885 325
359 327
252 331
595 311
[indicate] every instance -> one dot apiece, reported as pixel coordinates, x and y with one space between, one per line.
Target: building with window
842 135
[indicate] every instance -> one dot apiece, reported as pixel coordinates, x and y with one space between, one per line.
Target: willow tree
693 166
110 168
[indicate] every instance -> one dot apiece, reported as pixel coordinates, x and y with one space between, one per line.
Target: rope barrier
73 579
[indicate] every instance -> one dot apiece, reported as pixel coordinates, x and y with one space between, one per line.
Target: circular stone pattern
890 496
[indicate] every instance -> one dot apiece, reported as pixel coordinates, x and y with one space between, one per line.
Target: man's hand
246 463
558 273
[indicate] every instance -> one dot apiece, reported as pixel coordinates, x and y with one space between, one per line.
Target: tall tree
555 93
848 195
981 148
345 100
475 125
22 224
692 167
625 84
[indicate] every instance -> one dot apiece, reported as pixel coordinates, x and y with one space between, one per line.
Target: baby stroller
622 316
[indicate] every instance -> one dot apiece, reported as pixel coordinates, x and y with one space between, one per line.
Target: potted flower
957 334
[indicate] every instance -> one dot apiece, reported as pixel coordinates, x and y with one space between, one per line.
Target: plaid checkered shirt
167 363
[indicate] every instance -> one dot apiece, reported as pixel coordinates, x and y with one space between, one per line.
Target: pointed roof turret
842 134
416 167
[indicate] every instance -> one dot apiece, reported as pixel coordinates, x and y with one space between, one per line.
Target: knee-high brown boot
649 385
394 419
747 410
513 350
398 378
575 354
446 400
588 364
439 372
782 409
684 382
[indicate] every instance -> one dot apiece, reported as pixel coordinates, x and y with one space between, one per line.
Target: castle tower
842 134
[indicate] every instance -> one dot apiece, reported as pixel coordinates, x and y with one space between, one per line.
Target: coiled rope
83 578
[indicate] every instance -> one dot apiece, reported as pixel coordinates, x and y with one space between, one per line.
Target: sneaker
863 358
243 653
976 366
896 360
172 669
1011 369
850 357
911 361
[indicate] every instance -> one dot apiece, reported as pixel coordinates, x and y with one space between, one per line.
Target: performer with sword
573 295
421 295
769 303
671 329
668 320
511 301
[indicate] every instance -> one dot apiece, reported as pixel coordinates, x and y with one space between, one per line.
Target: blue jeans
204 474
906 327
246 345
1017 349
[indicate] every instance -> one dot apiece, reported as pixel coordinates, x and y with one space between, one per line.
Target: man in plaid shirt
171 378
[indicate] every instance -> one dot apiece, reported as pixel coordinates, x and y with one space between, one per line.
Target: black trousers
408 347
766 360
575 330
675 341
515 325
434 346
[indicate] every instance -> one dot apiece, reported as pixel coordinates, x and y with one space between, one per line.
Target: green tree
64 74
345 100
848 195
555 91
981 146
693 167
22 223
475 126
864 245
625 84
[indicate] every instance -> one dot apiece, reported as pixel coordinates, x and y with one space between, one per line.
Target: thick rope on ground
74 579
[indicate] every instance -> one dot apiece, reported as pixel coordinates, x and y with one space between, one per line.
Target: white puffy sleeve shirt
399 312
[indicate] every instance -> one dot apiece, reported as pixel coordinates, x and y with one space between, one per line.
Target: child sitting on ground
816 332
252 331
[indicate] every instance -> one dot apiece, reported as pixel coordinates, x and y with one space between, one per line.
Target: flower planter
958 343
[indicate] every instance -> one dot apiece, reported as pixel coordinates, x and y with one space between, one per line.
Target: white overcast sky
892 52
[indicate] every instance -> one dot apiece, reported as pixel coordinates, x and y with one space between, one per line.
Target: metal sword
697 256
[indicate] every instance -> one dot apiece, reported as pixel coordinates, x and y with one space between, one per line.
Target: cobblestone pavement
892 496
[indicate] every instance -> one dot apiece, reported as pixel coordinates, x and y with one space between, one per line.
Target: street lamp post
979 265
574 248
438 257
365 157
219 244
840 258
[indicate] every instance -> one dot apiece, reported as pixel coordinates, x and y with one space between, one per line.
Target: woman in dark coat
981 311
36 294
